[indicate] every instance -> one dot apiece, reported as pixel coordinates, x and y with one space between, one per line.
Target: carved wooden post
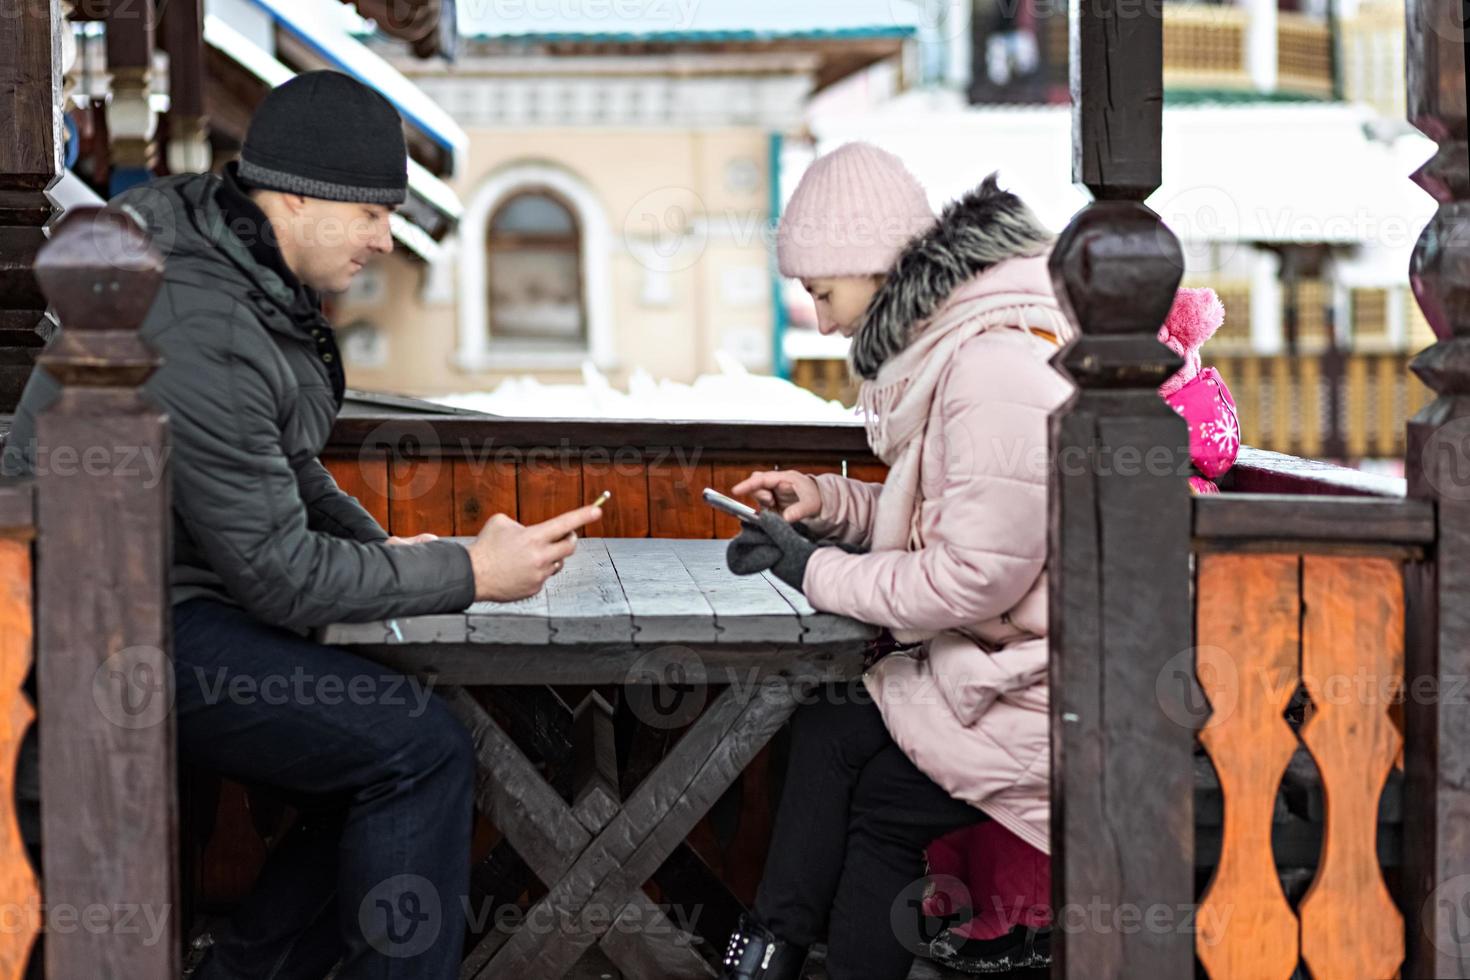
131 122
183 38
108 811
1122 670
30 162
1437 463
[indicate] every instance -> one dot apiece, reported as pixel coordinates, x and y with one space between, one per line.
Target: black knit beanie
325 135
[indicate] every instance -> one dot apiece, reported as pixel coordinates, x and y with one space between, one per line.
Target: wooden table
650 615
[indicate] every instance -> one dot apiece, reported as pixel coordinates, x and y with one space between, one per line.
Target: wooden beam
109 816
30 163
1436 881
1122 742
1292 517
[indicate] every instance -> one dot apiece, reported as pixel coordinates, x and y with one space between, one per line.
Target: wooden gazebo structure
1189 833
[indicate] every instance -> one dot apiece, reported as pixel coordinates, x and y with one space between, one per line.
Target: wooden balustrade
1303 597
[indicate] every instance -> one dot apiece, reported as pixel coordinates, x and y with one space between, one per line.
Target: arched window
533 254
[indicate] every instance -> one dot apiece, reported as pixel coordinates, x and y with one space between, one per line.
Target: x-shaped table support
595 854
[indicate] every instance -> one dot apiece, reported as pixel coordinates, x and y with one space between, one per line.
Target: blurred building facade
619 188
1286 176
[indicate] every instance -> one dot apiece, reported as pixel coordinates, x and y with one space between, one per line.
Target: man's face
328 242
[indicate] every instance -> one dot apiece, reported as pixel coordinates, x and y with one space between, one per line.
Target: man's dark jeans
376 872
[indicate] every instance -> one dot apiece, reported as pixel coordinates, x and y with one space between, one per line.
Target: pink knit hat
851 215
1192 320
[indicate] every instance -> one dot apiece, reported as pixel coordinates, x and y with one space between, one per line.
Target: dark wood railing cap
101 273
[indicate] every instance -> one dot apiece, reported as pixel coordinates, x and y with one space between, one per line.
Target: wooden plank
17 880
1247 665
585 601
421 496
666 603
723 477
747 609
365 477
482 489
1260 471
1353 642
1249 399
625 475
808 439
1283 397
1388 426
548 483
676 507
1291 517
1309 391
491 662
595 795
821 627
1358 429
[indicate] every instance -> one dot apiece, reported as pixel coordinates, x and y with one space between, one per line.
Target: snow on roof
690 20
1264 172
327 26
732 394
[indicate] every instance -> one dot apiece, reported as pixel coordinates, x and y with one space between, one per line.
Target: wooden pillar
108 811
131 122
1122 717
183 38
30 163
1437 464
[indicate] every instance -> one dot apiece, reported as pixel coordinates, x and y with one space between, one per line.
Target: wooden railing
1299 651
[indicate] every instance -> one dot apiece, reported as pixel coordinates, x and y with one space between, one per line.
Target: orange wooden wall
653 494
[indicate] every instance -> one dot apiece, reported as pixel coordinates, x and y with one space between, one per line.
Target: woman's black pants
846 860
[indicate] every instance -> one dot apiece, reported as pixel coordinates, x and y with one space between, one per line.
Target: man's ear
295 203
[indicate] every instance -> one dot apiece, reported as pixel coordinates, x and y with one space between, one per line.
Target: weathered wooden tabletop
614 600
621 611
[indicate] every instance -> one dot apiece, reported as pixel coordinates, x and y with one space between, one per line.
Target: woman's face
841 301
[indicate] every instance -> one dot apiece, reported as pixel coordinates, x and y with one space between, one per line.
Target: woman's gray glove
783 548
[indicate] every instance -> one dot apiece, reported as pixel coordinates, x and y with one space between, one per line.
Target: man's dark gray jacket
258 521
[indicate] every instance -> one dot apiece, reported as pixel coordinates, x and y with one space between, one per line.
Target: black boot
755 953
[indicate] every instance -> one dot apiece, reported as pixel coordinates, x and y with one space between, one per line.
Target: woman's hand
794 495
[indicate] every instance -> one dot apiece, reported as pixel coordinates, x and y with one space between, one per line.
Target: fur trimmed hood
980 230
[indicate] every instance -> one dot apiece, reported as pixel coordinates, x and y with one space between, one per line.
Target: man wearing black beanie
374 876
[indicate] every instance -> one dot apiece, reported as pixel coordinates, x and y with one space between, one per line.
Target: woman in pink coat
949 554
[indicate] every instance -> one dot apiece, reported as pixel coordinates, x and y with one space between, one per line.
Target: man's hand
512 561
793 495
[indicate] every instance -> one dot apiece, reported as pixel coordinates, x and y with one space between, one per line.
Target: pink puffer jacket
972 713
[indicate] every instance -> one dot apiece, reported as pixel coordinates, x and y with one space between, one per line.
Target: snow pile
732 394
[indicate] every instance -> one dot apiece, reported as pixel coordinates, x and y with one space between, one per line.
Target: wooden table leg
549 836
608 874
